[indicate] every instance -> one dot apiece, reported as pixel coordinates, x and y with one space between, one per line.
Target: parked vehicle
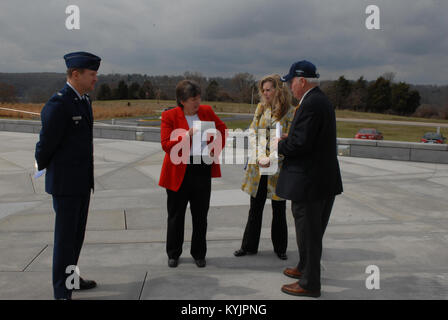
433 137
369 133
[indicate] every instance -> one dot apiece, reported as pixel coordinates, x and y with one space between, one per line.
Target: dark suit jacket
65 147
310 170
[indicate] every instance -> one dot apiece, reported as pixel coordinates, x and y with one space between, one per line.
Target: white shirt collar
77 93
301 100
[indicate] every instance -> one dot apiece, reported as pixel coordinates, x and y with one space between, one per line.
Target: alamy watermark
205 146
373 20
72 281
373 280
73 21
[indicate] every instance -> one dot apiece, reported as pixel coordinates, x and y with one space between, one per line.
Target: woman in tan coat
275 107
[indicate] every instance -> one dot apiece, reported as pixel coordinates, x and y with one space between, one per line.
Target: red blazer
172 175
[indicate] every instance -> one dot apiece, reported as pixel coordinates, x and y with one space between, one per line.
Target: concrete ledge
388 150
100 130
394 150
391 153
358 142
430 146
435 156
27 126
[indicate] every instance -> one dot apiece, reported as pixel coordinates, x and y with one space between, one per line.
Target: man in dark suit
65 150
310 175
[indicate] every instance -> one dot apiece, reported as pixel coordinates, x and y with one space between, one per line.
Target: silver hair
315 81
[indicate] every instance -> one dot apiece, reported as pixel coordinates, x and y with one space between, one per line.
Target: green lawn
247 108
379 116
349 129
390 132
344 129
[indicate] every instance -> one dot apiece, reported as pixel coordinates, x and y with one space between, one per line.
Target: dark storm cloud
221 38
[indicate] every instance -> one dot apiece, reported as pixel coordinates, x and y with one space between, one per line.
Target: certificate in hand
38 173
199 141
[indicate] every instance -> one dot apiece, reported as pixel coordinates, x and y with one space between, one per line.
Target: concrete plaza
393 215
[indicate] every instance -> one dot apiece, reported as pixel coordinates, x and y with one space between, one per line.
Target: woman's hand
264 162
191 132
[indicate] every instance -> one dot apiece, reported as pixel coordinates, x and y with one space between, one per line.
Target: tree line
380 96
240 88
383 95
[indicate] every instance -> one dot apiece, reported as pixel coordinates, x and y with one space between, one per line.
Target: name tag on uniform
77 119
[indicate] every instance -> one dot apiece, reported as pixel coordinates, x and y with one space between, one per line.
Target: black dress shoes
242 252
172 263
86 284
282 256
200 263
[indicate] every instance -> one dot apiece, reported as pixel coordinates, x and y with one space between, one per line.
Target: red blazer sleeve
166 128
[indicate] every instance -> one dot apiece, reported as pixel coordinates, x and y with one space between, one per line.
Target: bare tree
7 93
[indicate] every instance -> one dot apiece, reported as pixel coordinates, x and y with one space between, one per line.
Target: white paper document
199 140
38 173
273 166
278 130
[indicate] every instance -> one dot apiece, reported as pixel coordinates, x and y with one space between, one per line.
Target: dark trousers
195 189
279 229
311 219
69 231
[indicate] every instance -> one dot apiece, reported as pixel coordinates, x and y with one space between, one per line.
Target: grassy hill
143 108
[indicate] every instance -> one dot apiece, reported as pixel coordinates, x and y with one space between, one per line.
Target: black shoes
242 252
172 263
86 284
282 256
200 263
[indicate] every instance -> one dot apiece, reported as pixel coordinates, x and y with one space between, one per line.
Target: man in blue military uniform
65 150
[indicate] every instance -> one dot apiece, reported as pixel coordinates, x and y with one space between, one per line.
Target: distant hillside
38 87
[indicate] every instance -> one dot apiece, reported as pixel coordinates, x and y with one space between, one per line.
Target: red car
433 137
369 133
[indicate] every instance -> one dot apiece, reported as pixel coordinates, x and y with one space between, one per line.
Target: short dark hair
186 89
70 71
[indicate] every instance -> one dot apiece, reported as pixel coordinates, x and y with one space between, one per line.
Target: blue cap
82 60
301 69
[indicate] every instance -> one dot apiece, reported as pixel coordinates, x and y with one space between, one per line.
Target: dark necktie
87 108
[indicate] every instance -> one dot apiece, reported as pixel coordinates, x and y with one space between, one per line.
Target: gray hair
315 81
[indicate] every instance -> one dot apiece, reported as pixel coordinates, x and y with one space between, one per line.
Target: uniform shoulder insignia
59 94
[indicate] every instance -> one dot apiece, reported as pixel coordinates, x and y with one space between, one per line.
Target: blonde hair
282 97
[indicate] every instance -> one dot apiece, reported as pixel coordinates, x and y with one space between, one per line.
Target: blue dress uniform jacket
65 148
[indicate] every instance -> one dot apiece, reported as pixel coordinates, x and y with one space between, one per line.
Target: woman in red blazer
187 179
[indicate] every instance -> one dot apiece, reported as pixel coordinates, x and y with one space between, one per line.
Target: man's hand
274 143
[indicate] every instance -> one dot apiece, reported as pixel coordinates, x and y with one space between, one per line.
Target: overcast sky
221 38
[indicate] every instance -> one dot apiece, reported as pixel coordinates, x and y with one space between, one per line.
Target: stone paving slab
17 257
392 214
